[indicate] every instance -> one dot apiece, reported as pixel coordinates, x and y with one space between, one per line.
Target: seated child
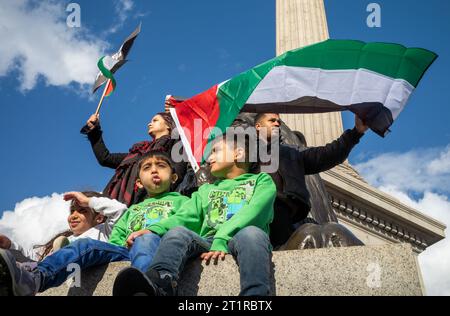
91 216
130 239
231 216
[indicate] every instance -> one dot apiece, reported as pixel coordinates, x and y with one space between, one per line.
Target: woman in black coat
122 185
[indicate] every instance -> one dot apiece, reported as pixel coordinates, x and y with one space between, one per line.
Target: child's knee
147 238
177 232
251 234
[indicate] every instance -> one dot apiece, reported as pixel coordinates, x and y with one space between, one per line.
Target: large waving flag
372 80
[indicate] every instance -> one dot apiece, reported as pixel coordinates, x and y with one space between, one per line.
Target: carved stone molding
388 229
378 213
348 169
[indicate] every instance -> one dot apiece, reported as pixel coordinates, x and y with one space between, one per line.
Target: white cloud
420 179
35 220
127 5
414 172
440 165
36 41
435 261
123 9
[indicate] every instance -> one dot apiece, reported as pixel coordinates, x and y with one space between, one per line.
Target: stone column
373 216
300 23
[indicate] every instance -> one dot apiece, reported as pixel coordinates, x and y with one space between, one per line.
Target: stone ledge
366 270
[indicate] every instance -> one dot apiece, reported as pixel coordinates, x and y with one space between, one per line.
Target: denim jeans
143 250
87 252
250 246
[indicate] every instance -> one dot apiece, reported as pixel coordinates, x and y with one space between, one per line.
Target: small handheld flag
108 65
112 63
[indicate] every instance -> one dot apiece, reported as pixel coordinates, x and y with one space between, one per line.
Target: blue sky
415 24
185 47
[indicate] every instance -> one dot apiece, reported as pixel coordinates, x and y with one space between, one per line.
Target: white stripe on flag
184 140
342 87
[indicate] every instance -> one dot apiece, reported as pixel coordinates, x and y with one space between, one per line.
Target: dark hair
259 116
157 154
238 143
168 119
163 156
48 246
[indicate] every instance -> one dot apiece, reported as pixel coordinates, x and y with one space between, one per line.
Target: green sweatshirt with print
222 209
143 215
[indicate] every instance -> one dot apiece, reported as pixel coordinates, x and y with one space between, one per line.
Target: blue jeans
87 252
143 251
250 246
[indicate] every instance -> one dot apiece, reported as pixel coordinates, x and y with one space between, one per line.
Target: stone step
366 270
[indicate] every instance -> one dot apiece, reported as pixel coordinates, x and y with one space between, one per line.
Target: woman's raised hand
93 121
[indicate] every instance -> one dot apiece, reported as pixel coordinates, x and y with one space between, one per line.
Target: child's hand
5 242
133 236
215 255
81 199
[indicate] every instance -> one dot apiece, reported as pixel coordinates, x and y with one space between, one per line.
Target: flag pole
184 141
103 97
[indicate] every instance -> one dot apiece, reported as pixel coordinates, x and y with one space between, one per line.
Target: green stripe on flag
391 60
106 72
233 94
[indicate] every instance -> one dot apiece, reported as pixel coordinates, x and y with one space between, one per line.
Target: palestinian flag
372 80
105 64
108 65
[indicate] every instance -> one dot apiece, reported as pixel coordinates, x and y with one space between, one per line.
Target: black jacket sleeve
319 159
104 157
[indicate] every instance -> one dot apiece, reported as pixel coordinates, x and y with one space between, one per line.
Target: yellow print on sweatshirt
148 214
224 204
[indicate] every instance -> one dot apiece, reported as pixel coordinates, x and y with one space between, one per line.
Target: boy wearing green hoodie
130 238
231 216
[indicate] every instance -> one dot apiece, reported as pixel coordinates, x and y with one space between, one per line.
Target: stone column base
366 270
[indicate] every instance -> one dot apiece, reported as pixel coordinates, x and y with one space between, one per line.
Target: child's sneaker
132 282
15 279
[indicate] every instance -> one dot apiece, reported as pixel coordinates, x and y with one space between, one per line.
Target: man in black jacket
293 200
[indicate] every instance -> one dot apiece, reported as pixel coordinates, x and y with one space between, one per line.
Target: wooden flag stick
103 96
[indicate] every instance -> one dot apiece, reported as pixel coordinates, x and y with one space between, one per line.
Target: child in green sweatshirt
130 238
231 216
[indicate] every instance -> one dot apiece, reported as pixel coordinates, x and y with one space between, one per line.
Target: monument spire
373 216
300 23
